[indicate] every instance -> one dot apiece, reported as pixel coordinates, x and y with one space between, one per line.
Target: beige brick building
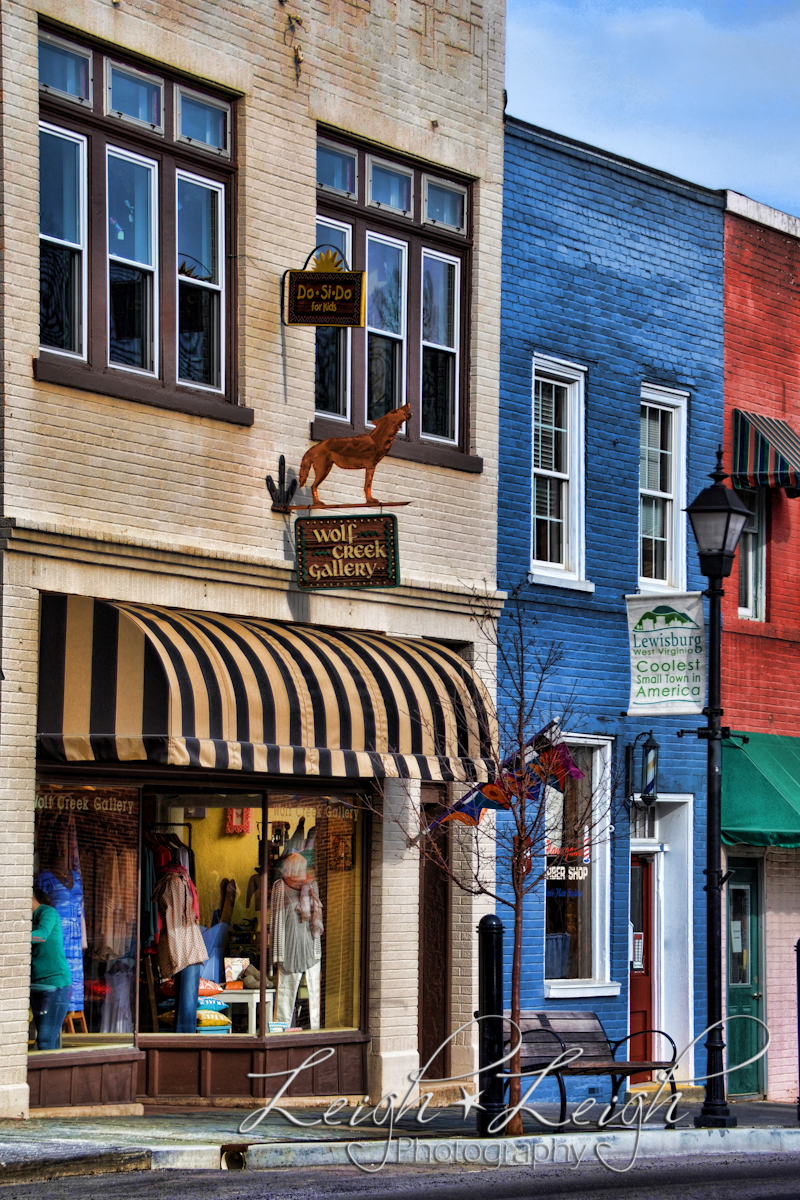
150 385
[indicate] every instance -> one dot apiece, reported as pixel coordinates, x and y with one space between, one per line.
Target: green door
744 1038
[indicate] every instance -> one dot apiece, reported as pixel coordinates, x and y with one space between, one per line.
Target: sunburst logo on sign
329 261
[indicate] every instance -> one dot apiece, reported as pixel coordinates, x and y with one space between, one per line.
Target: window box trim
82 142
398 169
109 64
211 102
152 165
143 389
218 288
46 90
568 988
572 376
451 187
325 188
676 400
455 349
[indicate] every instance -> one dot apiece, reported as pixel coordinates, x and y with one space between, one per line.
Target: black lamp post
718 517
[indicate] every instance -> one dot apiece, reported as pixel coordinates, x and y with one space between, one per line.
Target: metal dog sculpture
364 451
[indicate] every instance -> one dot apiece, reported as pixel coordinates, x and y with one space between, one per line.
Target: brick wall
617 269
760 660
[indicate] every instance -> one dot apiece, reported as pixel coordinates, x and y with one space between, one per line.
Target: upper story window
557 486
662 486
147 313
753 556
408 231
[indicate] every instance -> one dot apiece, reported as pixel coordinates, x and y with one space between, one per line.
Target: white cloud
711 96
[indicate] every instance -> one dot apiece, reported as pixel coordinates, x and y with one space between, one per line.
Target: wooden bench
546 1035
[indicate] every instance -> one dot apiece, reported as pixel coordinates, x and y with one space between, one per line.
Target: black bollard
490 1008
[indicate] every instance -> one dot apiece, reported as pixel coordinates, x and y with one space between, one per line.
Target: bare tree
537 817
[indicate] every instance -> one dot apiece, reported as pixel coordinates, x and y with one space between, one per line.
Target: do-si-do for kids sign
668 654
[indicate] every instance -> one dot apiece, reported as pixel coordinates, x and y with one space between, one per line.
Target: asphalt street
718 1177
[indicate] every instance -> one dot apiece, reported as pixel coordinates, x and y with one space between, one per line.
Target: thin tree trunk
514 1128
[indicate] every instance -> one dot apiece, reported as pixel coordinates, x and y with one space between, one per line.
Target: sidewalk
210 1140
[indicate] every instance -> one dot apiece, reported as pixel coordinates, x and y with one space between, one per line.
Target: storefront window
569 835
85 868
250 894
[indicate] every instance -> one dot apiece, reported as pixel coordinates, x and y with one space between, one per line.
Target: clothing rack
174 825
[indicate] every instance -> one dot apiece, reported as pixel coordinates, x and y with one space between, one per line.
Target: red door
641 986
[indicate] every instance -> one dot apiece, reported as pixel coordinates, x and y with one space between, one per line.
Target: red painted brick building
761 640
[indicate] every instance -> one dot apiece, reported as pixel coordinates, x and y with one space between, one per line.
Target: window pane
548 520
336 169
135 97
438 393
445 206
332 235
384 287
655 449
653 517
568 894
59 187
438 301
63 70
549 426
746 556
204 123
130 316
740 959
383 375
129 210
330 380
392 188
198 335
59 297
198 231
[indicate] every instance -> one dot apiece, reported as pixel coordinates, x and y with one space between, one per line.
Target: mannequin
295 931
181 949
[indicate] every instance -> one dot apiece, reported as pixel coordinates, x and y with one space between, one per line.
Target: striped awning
766 452
138 683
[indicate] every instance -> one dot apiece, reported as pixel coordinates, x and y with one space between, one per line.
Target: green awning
761 791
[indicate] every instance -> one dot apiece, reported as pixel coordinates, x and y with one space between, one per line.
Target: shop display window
569 883
86 865
250 900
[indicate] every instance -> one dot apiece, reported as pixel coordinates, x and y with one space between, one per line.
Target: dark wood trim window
137 232
409 227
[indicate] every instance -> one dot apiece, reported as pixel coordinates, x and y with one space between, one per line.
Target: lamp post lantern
718 517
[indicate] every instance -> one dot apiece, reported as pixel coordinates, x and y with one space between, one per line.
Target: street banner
668 654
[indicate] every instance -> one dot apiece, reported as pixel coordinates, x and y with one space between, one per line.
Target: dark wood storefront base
174 1068
71 1079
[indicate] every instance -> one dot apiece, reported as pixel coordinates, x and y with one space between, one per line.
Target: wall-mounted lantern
648 785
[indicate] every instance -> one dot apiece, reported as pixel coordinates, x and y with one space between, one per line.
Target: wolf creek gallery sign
668 654
347 552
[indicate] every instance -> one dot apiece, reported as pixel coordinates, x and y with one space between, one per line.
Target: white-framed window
753 556
134 96
200 264
387 286
333 346
578 876
132 224
662 489
441 335
65 70
62 240
390 187
444 204
557 483
202 121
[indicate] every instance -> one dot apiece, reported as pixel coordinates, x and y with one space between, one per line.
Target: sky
706 89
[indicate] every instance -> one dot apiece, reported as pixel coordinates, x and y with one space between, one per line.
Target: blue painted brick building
612 335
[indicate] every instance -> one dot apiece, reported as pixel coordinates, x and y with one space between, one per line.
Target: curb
617 1146
103 1163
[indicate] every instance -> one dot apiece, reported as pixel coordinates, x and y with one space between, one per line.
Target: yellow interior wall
219 855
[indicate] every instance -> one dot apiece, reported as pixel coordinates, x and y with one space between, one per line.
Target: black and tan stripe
130 682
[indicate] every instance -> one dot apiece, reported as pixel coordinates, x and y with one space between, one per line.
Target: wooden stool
70 1020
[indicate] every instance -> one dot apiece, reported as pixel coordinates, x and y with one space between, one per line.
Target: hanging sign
668 654
325 295
347 552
